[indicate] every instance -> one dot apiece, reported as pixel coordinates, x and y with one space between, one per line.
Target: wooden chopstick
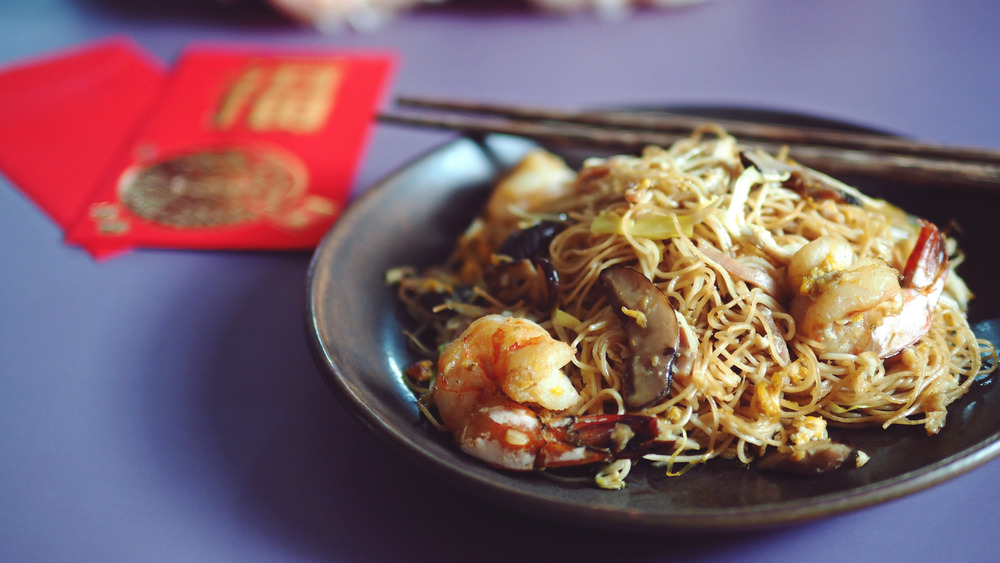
836 153
664 121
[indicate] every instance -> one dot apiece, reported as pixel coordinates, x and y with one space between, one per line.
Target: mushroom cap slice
653 335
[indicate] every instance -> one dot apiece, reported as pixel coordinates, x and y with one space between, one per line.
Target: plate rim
477 482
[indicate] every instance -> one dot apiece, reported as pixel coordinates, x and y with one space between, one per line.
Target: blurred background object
334 15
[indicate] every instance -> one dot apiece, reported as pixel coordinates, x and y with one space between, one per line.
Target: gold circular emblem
214 187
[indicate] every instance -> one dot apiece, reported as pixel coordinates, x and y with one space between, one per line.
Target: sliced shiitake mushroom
653 335
532 242
811 458
533 282
801 179
524 273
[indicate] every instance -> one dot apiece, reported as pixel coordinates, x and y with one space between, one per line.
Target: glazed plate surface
414 216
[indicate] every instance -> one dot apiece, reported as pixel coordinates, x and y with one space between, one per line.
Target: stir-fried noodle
774 340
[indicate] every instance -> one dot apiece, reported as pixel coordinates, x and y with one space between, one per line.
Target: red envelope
66 116
244 150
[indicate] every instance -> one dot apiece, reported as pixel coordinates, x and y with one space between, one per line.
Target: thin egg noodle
715 233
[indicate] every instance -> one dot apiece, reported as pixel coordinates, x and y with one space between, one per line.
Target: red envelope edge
66 116
220 124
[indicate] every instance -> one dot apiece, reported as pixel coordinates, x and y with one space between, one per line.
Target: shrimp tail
584 440
928 263
923 281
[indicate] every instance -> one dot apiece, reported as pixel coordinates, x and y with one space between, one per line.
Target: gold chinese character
238 97
293 97
107 217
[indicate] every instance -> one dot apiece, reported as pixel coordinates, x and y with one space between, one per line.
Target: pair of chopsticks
837 153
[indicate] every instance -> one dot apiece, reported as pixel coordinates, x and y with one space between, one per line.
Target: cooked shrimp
539 178
853 305
496 388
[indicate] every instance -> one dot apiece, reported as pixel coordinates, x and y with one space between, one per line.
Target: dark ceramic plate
414 216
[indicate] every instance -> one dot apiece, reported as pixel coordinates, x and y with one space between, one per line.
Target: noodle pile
714 229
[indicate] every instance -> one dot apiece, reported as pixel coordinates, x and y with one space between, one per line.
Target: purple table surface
164 406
